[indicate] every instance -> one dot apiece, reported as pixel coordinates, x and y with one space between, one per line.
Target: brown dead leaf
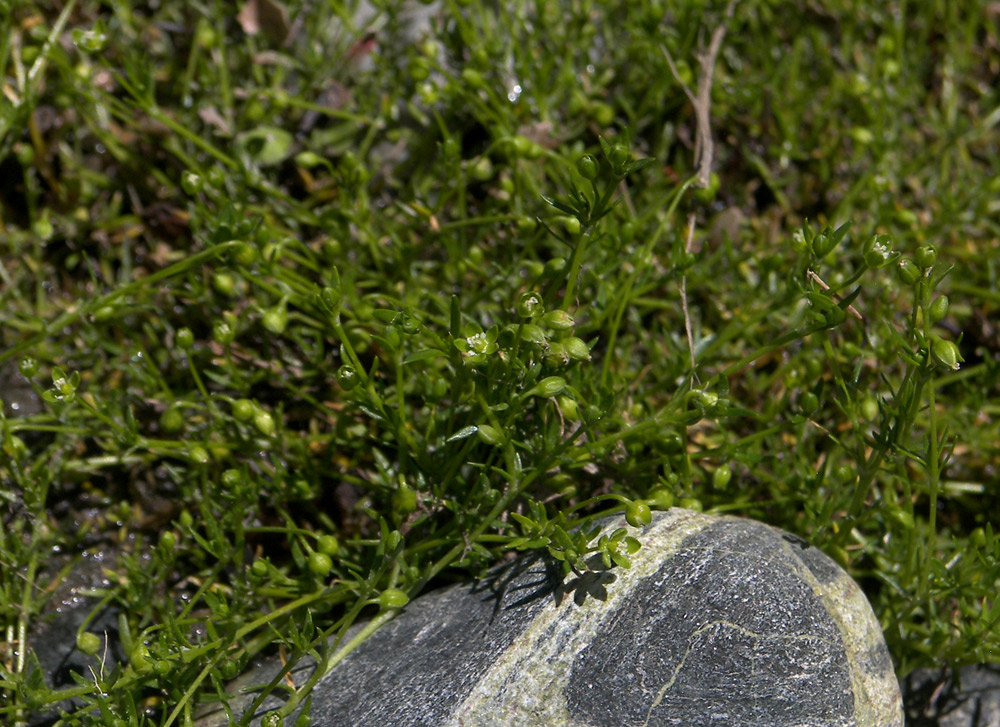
264 16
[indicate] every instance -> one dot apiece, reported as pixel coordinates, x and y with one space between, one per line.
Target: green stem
72 316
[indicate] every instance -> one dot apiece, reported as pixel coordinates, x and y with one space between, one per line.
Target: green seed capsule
572 225
638 513
721 477
404 500
576 348
275 319
549 386
223 333
530 305
198 454
823 245
185 339
264 423
393 598
328 544
925 256
224 283
661 498
320 564
243 409
347 377
619 157
88 643
28 367
587 166
560 320
172 420
945 353
489 434
908 272
939 308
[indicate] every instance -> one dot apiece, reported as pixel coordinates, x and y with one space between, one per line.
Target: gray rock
940 698
720 621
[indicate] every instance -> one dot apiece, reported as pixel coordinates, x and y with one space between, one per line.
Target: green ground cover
321 311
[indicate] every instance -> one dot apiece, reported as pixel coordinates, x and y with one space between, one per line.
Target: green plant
305 345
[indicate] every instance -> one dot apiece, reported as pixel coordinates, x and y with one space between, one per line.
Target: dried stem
704 147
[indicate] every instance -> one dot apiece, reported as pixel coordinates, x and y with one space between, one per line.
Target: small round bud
275 319
264 423
661 498
88 643
320 564
347 377
548 387
172 420
908 272
945 353
404 500
809 402
185 339
489 434
243 409
576 348
393 598
638 514
223 333
28 367
191 183
572 225
198 454
619 157
530 305
925 256
721 477
328 544
558 319
939 308
587 166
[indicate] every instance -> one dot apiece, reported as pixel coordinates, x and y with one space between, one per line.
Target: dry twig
704 147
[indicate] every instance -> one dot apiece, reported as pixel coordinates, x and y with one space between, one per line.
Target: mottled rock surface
720 621
940 698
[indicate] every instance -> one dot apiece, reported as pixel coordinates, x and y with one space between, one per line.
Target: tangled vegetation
307 308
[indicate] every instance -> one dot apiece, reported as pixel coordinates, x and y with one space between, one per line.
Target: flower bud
908 272
822 245
587 166
28 367
185 339
530 305
877 251
925 256
347 377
